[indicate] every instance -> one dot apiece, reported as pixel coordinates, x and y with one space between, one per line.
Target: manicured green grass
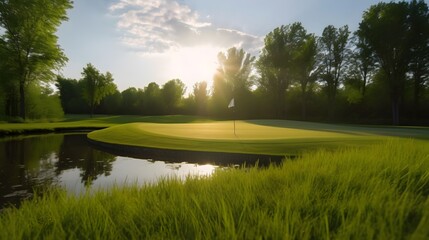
378 192
272 137
85 122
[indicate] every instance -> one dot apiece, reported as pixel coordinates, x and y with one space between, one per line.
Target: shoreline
190 156
18 132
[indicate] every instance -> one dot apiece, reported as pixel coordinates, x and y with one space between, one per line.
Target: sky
143 41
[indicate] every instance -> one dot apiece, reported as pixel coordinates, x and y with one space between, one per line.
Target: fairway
272 137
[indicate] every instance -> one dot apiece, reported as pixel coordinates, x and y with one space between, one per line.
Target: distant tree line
378 74
152 100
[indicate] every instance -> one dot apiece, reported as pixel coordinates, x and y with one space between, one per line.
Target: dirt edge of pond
171 155
5 133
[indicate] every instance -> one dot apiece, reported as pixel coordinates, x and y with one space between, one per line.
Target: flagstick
234 127
233 115
232 105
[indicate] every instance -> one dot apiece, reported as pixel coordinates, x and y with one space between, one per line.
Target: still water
32 163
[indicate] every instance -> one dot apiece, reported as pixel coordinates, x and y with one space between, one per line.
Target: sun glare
194 64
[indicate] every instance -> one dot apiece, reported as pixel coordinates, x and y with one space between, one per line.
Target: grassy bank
271 137
74 122
379 192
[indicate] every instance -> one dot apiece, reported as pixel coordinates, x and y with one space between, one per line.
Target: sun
194 64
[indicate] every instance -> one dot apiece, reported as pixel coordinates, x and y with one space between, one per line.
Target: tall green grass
379 192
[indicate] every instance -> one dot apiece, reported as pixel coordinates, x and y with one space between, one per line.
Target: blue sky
143 41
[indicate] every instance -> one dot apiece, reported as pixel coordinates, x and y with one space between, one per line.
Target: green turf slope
273 137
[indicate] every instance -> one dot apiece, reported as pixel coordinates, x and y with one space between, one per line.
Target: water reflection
75 153
27 163
35 162
69 161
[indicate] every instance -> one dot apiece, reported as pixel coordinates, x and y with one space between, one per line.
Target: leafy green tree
419 40
131 101
172 93
232 80
96 86
152 101
111 104
305 68
386 30
71 96
362 62
201 96
334 51
30 40
43 103
278 63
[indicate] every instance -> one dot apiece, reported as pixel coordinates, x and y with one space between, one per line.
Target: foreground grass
272 137
380 192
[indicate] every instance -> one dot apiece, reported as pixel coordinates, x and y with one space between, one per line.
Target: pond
30 163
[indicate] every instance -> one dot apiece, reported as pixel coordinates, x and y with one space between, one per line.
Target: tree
363 62
111 104
152 102
9 99
131 102
172 92
232 79
43 103
419 46
276 63
305 68
200 95
71 96
30 40
384 27
96 86
334 50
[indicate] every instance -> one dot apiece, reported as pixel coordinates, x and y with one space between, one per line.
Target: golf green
272 137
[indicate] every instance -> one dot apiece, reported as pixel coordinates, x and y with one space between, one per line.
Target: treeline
378 74
152 100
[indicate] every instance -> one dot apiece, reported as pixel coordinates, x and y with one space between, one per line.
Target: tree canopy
286 56
390 31
96 86
30 41
232 80
334 51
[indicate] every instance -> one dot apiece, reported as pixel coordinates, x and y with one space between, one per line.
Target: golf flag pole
232 105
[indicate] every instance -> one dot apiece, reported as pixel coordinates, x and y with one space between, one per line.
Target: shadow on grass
121 119
390 131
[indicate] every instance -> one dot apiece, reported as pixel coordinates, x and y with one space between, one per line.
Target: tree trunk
395 112
417 87
331 107
364 84
279 104
91 110
22 99
304 106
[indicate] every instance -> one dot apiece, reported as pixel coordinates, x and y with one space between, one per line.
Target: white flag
231 104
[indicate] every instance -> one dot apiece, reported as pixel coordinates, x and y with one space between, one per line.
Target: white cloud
158 26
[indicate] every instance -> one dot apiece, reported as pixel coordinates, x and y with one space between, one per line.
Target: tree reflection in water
91 162
26 164
70 162
35 162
